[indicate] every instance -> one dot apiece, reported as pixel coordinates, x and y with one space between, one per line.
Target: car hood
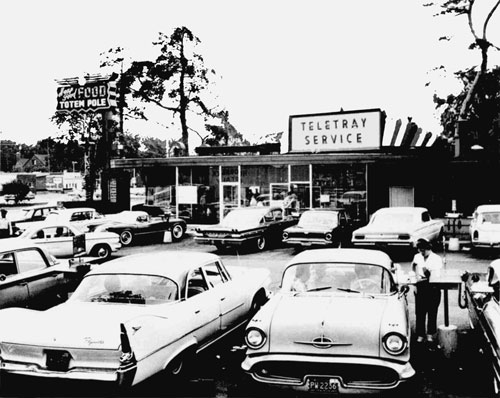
85 325
352 323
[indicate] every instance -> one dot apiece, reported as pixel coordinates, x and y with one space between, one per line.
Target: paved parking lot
217 373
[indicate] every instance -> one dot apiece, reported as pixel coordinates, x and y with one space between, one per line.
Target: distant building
35 163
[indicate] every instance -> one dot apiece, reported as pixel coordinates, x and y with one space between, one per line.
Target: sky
273 58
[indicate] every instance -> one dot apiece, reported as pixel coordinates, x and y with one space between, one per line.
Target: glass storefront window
263 184
299 172
341 186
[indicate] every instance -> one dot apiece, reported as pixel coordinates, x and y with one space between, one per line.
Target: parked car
132 225
485 226
58 238
31 277
399 226
339 324
352 197
11 198
320 227
30 214
80 216
256 226
132 318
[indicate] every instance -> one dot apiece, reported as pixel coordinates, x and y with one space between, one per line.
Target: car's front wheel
126 237
177 231
102 251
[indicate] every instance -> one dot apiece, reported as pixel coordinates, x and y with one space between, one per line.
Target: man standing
427 297
5 225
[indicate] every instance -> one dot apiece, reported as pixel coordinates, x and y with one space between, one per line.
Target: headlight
285 235
255 338
328 236
394 343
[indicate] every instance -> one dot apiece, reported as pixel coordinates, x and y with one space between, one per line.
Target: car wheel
261 243
102 251
258 301
126 237
177 231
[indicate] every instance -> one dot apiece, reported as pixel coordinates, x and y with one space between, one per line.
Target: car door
203 306
42 280
13 286
57 240
232 300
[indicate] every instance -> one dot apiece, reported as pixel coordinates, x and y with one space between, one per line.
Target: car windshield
492 218
393 218
241 219
313 218
126 289
337 277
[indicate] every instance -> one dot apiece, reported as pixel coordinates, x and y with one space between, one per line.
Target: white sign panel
338 131
187 194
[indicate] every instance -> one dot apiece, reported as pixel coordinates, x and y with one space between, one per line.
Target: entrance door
230 197
401 196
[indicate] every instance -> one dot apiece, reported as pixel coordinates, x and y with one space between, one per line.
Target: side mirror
403 290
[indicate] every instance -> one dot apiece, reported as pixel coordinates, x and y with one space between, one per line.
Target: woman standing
427 297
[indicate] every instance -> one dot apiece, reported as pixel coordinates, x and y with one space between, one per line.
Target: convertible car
132 318
320 227
339 324
58 239
399 226
258 227
485 226
133 225
31 277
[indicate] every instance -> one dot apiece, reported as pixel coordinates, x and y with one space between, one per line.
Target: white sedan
132 318
61 240
485 226
398 226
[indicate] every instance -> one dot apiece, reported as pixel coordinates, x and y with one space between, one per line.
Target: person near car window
427 297
494 278
5 225
290 203
302 278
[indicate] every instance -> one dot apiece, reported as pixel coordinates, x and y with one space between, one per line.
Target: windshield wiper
317 289
343 289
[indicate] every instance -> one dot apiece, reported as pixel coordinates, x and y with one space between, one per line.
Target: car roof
488 208
173 264
36 207
401 209
368 256
49 224
262 210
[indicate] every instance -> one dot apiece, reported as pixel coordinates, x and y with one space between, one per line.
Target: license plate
58 360
322 384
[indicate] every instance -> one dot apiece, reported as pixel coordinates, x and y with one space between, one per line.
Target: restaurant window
262 184
341 186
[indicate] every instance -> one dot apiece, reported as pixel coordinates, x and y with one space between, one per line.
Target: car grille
309 235
349 373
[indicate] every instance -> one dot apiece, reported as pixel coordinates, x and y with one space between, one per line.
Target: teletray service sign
336 131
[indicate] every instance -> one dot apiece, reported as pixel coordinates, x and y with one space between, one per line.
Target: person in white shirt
427 297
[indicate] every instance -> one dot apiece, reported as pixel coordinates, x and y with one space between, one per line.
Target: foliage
483 111
174 81
152 148
225 133
471 78
17 188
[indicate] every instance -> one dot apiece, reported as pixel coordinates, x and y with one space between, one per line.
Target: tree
483 109
224 133
17 188
174 81
153 148
471 78
86 130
